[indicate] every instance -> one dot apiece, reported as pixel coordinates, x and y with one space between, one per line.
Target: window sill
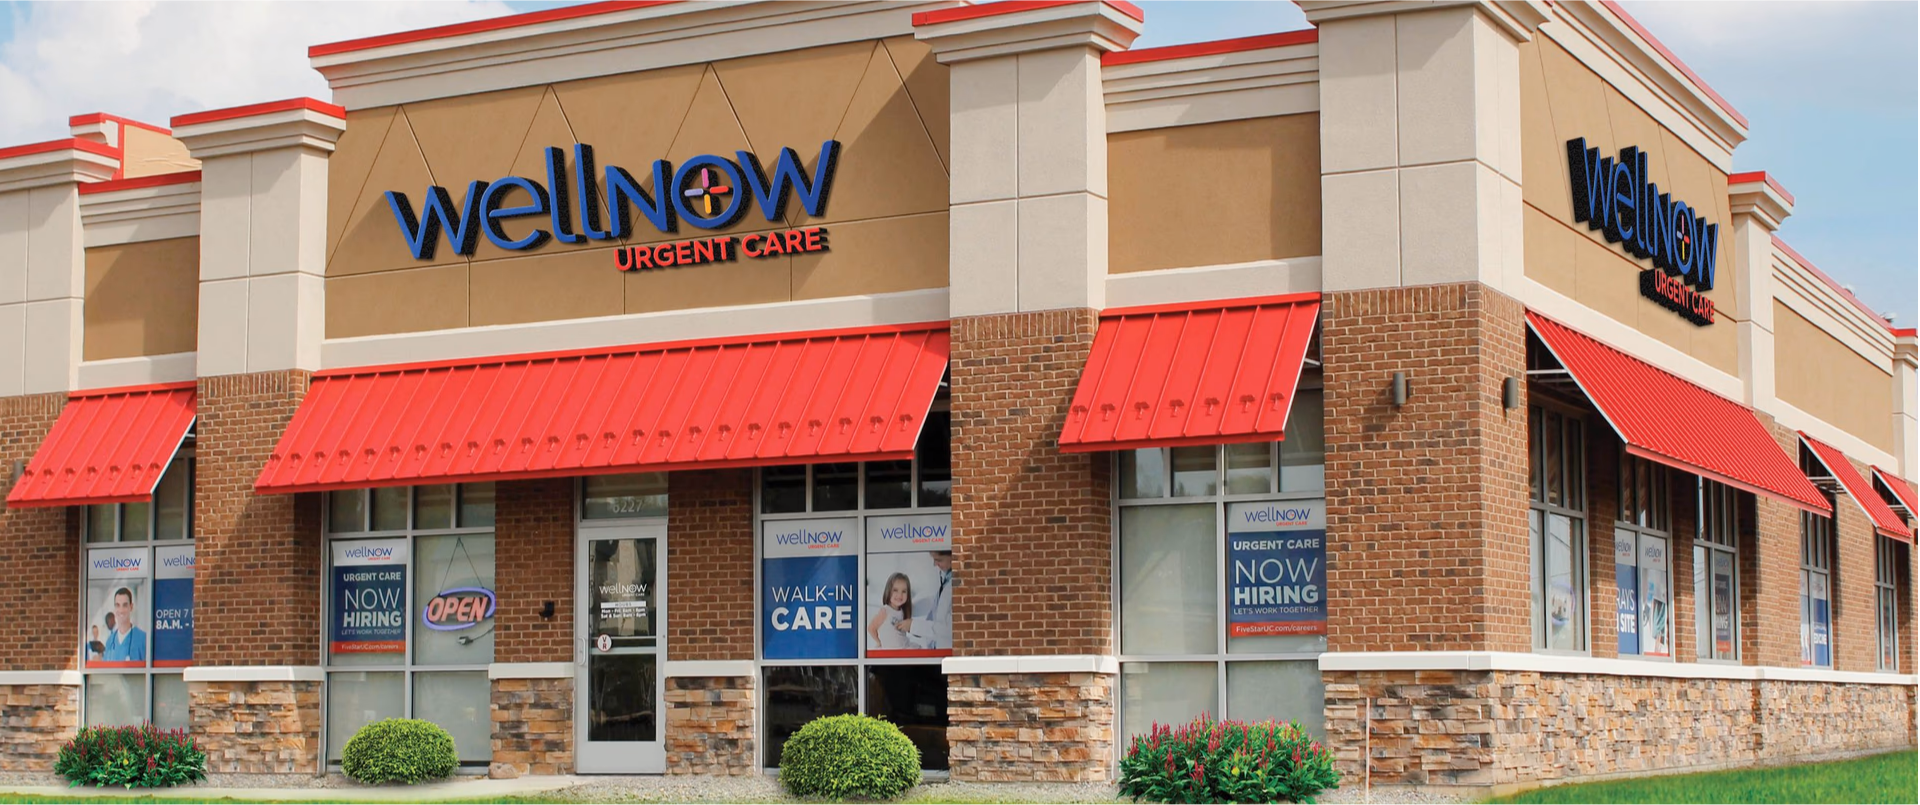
1565 664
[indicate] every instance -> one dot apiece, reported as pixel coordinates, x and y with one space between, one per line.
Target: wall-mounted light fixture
546 610
1510 393
1399 389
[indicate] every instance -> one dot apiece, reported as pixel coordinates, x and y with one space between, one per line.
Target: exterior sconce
1399 389
1510 393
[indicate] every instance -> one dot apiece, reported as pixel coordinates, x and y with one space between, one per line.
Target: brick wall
257 580
39 548
1426 503
1855 642
1032 531
1770 571
710 565
533 564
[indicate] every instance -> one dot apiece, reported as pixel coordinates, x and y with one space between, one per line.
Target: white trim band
20 678
1563 664
683 669
254 673
1044 664
530 670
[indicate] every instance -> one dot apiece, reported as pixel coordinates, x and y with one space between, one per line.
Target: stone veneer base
35 720
532 727
265 727
710 725
1044 727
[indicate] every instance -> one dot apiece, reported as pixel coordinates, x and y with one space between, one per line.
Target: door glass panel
620 592
621 688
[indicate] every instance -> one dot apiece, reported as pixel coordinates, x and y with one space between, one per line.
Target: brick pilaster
533 546
710 565
39 548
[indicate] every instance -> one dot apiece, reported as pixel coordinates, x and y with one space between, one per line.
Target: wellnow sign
708 191
1615 197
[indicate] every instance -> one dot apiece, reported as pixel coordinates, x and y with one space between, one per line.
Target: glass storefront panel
621 690
783 489
914 698
1278 691
390 505
1168 566
453 591
433 506
797 694
170 702
460 702
614 496
358 698
116 700
1171 693
476 505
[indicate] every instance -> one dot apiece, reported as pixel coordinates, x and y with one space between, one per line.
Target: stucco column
1759 206
255 685
1906 400
43 268
1031 688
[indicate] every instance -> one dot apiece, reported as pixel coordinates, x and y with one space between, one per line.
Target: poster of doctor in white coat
909 587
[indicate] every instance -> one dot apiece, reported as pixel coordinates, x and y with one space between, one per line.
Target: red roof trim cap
157 180
1831 283
1761 176
972 12
1214 48
73 143
1877 511
213 115
1663 417
103 117
1675 60
480 26
1905 332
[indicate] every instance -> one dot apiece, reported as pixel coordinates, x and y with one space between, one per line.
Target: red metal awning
1883 518
1173 375
845 395
1664 418
1902 491
108 446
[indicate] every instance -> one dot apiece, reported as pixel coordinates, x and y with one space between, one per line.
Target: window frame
1715 534
1540 508
1817 548
1641 519
408 668
1222 656
767 755
1886 603
183 458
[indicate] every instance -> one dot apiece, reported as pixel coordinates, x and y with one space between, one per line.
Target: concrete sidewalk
459 788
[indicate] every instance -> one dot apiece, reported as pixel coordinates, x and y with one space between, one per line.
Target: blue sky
1828 87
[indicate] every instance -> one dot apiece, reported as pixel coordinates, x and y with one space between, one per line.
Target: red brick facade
1032 526
710 565
39 548
533 564
257 581
1426 502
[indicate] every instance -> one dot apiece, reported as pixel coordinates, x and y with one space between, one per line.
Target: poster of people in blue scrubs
115 632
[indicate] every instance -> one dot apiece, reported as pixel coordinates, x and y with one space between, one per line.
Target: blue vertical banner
1626 591
1822 621
173 606
369 597
810 589
1277 568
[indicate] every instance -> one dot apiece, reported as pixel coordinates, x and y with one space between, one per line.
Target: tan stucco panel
142 299
1561 99
431 298
885 101
150 153
1816 373
883 256
1228 192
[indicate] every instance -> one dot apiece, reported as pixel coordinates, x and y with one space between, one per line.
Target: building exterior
623 385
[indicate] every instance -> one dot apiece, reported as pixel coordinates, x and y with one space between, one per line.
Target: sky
1829 89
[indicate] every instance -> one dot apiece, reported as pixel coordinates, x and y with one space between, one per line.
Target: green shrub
849 756
1226 761
135 757
399 750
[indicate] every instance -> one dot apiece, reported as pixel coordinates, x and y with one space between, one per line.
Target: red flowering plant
135 757
1226 761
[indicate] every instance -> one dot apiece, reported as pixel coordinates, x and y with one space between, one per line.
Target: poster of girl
895 606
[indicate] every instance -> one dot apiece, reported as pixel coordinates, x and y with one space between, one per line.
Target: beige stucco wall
1230 192
886 101
142 299
150 153
1561 99
1816 373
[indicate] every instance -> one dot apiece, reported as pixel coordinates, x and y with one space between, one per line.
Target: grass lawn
1879 778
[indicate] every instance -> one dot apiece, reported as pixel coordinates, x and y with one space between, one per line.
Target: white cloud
150 61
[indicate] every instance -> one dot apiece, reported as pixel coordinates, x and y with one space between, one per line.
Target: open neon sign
458 608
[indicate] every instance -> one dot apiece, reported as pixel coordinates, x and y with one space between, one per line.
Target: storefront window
1716 577
1557 525
137 631
1222 579
410 603
856 593
1816 586
1888 559
1642 562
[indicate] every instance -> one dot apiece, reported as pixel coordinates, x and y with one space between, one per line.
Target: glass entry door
619 715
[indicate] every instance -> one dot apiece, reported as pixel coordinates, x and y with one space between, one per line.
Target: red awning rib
1664 418
1883 518
846 395
108 446
1174 375
1902 491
